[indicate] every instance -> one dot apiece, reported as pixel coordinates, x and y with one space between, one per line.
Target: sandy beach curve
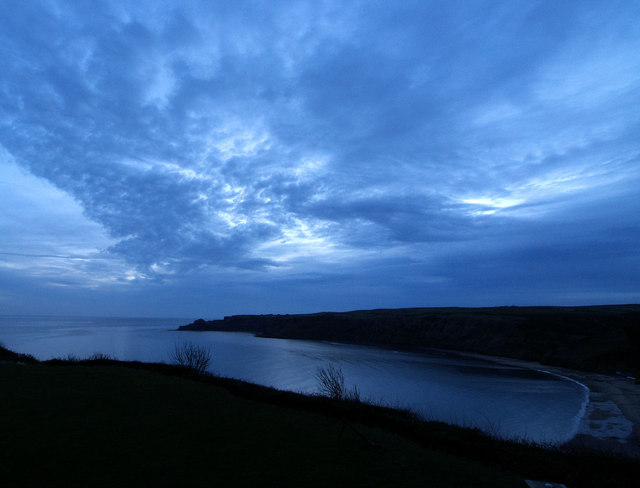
611 420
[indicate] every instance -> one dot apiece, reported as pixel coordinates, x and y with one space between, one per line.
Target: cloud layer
418 153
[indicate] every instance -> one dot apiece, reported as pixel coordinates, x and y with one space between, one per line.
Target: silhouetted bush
354 394
331 382
99 356
192 356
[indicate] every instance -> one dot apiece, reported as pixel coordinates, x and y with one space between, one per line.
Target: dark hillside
598 338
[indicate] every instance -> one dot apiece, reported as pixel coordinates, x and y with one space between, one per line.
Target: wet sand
612 418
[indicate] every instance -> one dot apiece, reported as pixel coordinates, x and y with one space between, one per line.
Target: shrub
331 382
192 356
100 356
354 394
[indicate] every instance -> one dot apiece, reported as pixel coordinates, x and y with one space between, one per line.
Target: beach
611 420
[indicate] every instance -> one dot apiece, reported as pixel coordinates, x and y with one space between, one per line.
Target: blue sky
209 158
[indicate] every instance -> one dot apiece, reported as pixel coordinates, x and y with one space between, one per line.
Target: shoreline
608 420
102 380
611 418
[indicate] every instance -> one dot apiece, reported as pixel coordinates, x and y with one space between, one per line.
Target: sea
505 401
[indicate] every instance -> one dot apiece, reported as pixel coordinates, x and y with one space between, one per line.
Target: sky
201 159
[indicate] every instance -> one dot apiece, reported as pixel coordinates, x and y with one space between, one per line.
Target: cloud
286 138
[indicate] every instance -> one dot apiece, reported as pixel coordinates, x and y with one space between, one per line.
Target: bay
506 401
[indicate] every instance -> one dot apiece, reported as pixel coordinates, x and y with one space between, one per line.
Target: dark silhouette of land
593 338
104 422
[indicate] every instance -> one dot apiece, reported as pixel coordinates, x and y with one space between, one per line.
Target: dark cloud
419 147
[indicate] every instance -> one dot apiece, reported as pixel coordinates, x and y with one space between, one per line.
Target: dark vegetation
102 422
331 383
596 338
191 356
8 355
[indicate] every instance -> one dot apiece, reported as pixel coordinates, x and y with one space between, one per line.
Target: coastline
611 419
101 379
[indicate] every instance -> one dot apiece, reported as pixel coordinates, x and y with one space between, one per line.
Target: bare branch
191 356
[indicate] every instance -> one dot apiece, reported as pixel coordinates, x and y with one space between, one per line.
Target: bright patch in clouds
491 205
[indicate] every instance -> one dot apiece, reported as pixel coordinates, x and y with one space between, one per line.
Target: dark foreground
110 423
111 426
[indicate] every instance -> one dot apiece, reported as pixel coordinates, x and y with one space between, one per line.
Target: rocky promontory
597 338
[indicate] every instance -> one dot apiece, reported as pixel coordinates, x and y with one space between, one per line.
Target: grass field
77 425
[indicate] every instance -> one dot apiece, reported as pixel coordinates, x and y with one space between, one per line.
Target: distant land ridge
604 338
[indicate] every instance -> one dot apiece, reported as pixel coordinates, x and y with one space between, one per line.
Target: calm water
511 402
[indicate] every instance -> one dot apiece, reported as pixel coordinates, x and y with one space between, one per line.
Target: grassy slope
113 426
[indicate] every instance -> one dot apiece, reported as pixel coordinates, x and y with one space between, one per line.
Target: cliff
598 338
